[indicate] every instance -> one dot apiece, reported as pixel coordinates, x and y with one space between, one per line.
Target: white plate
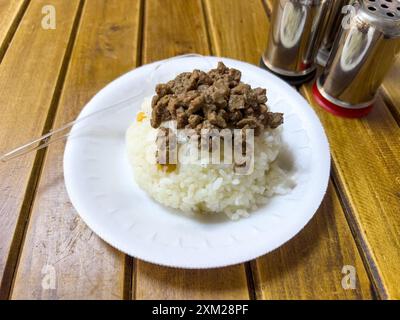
101 186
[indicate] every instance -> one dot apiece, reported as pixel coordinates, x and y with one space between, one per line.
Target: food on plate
217 99
208 143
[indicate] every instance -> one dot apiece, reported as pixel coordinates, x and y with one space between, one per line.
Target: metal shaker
360 59
294 38
332 28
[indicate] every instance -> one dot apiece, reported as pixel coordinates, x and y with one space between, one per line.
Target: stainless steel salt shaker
360 59
294 38
332 27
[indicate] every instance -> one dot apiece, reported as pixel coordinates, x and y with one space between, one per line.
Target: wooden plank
29 75
326 244
310 266
85 267
154 282
11 12
376 188
391 89
240 36
175 27
367 166
268 6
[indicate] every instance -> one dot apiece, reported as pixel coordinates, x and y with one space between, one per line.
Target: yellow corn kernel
140 116
167 168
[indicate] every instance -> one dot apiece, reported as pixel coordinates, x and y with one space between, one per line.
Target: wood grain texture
368 169
268 6
238 28
29 76
310 265
175 27
10 15
85 266
365 153
391 89
367 166
154 282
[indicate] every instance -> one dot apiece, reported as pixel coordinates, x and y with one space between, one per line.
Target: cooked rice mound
207 189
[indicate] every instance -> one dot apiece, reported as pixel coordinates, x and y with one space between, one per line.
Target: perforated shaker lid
383 15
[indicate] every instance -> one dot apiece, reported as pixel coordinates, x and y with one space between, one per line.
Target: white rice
209 189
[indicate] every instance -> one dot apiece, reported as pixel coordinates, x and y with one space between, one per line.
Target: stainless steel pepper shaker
360 59
294 38
332 28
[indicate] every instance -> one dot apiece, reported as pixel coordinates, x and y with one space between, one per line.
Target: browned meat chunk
163 89
274 120
241 89
261 95
251 123
218 97
196 104
248 123
181 118
221 67
217 120
213 100
236 102
194 120
156 118
235 116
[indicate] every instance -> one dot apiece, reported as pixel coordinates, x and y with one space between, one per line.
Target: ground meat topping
214 100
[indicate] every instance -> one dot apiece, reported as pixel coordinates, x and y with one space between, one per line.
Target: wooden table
47 76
